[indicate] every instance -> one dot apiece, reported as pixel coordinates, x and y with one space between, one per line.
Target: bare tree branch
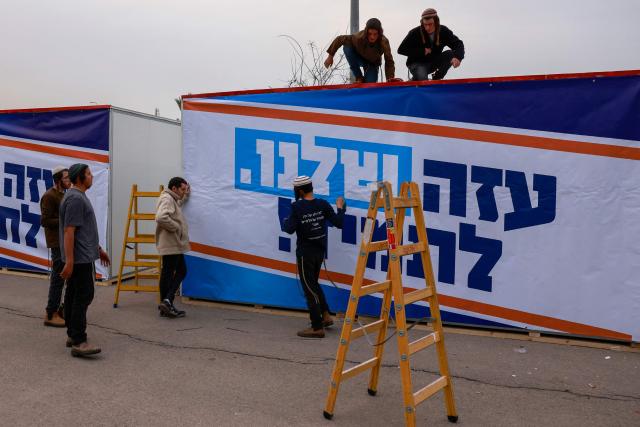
307 65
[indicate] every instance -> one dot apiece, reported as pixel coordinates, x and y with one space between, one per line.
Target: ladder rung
401 202
424 393
376 287
351 372
148 256
410 249
146 194
420 294
381 245
138 288
142 238
141 264
151 217
424 342
368 328
148 275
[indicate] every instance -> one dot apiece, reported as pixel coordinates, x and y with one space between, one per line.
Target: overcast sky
141 54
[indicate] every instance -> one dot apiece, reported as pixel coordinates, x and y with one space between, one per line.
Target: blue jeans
356 62
439 67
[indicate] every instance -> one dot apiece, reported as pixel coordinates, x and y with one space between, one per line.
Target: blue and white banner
32 143
529 190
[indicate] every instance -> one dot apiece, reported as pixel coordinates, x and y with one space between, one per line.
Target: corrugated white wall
145 150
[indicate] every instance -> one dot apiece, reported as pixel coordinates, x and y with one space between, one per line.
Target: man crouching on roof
308 220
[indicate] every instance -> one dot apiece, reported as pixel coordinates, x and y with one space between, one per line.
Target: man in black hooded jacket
424 48
308 220
364 50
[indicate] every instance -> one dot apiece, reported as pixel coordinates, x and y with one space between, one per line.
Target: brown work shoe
55 320
311 333
326 320
84 349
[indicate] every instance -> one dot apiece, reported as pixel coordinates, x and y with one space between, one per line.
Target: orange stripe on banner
538 142
25 257
102 158
454 302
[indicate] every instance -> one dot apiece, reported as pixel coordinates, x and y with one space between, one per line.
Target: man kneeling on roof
364 50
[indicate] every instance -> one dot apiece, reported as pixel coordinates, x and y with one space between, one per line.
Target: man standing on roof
364 50
424 48
50 221
308 220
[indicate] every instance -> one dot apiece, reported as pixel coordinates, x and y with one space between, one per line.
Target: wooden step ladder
391 288
141 262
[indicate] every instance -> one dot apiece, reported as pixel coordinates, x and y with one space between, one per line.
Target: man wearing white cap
50 221
424 48
308 220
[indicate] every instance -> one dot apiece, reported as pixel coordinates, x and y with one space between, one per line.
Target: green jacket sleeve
49 216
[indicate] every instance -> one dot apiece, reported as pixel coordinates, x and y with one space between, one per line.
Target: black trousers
439 67
77 299
309 269
56 283
174 270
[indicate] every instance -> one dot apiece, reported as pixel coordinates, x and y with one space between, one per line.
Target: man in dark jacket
50 220
424 48
308 220
364 50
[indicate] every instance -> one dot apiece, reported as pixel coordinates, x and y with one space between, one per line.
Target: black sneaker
167 310
179 313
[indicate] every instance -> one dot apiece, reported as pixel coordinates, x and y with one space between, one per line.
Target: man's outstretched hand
328 62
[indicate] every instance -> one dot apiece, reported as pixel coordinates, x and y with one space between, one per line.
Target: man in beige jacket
172 241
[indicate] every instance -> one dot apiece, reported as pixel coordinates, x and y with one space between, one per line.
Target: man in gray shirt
80 249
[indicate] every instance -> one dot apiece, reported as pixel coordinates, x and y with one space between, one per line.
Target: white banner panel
520 236
26 176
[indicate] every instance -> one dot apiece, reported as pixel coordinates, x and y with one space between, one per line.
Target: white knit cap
58 169
301 180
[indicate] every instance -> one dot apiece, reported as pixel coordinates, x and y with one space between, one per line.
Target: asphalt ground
237 367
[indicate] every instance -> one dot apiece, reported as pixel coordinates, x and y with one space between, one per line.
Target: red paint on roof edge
421 83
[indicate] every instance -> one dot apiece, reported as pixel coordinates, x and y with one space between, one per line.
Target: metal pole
355 16
355 23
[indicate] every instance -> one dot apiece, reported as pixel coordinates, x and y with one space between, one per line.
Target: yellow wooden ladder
141 262
394 211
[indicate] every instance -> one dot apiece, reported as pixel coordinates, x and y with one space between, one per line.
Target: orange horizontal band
454 302
492 137
24 257
67 152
